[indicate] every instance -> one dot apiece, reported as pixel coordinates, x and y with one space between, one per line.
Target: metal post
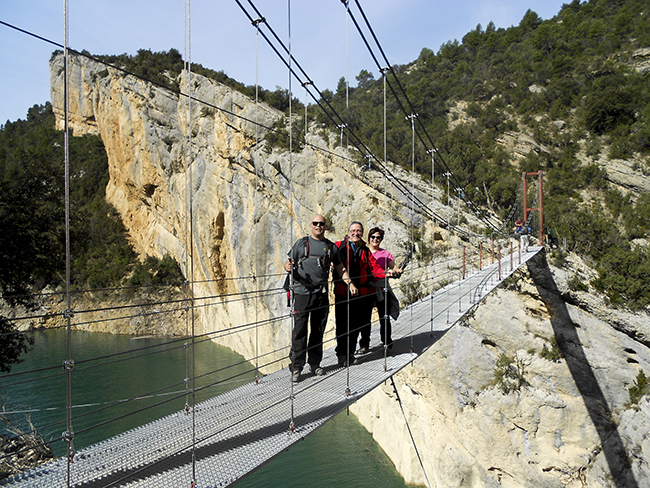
463 262
511 258
492 249
447 175
523 175
499 250
342 126
541 212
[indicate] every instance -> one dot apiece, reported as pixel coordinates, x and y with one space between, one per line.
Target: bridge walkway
236 432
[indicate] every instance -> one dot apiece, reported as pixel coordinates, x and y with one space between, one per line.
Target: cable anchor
67 436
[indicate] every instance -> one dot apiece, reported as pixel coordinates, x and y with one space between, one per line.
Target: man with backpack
524 240
310 260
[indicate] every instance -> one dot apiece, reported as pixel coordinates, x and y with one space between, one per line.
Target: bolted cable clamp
68 365
68 313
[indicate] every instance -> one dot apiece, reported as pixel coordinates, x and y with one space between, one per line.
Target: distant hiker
551 238
354 314
310 260
524 239
385 300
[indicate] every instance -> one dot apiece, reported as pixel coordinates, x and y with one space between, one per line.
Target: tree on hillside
32 220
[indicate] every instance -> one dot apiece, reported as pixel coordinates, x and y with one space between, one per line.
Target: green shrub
576 284
554 354
640 389
154 272
509 374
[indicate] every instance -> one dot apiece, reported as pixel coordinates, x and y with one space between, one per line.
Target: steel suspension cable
412 118
191 350
68 364
399 400
360 145
332 114
256 23
411 109
386 287
433 234
292 323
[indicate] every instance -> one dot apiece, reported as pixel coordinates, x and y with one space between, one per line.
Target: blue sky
222 37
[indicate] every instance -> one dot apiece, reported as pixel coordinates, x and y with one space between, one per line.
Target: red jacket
361 266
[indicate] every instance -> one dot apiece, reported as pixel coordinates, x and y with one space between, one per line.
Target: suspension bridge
232 434
216 442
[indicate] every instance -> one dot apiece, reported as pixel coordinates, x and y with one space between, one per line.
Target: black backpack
306 282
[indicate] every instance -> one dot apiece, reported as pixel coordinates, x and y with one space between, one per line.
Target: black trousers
359 311
311 310
384 323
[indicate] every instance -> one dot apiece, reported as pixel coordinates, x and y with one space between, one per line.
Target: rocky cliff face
568 424
226 207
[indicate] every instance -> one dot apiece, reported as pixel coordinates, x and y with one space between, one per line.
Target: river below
137 380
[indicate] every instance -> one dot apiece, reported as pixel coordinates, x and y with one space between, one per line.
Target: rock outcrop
568 425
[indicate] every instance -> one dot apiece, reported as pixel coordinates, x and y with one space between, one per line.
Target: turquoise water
149 380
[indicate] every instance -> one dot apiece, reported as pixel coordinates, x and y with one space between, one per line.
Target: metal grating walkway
238 431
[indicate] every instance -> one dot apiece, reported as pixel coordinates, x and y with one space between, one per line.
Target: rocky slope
567 425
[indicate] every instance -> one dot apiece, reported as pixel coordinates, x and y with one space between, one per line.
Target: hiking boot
342 361
295 375
364 350
318 371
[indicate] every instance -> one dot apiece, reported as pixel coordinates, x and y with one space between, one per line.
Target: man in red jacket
353 314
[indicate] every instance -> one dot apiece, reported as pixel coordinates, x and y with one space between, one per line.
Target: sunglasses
376 238
318 224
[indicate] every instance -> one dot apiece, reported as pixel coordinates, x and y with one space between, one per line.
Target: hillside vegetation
573 83
32 219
